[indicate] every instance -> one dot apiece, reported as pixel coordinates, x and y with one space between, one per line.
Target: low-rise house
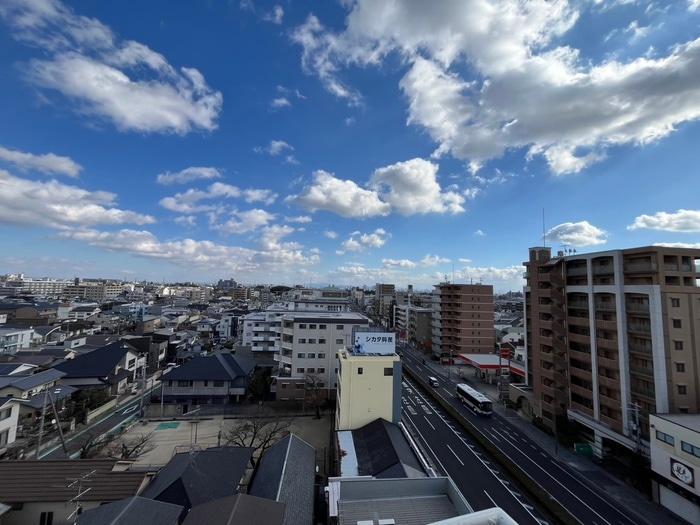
13 339
9 421
50 492
133 511
216 380
109 367
240 508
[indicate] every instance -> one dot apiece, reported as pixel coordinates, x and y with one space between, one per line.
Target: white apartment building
12 340
675 463
309 344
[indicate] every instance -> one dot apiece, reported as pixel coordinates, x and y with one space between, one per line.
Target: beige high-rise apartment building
612 337
463 319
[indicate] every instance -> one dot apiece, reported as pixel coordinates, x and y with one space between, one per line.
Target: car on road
432 381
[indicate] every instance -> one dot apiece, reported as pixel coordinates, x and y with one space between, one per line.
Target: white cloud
190 201
402 263
479 233
693 5
301 219
488 77
186 220
123 82
433 260
247 5
265 196
576 234
48 163
290 159
359 242
694 246
681 221
343 197
274 148
414 189
464 261
55 205
280 102
244 221
330 234
188 175
275 16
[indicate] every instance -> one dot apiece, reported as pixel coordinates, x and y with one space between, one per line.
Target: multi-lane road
481 481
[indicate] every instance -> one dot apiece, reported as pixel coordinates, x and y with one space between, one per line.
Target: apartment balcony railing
582 305
606 325
605 306
576 271
639 328
607 344
640 349
637 307
608 363
641 267
603 269
645 392
642 370
608 382
615 404
579 321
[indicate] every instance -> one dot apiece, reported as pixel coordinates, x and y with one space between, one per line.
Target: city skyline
346 143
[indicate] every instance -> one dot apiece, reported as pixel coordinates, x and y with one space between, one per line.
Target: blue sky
348 143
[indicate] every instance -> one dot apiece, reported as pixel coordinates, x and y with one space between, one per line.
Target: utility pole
41 423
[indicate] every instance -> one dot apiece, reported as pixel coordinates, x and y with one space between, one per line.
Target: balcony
644 392
579 321
640 349
610 402
603 269
583 392
579 338
579 305
576 271
637 307
605 306
642 371
608 363
610 326
641 267
608 382
639 328
606 344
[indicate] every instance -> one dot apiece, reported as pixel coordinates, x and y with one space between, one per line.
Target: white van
432 381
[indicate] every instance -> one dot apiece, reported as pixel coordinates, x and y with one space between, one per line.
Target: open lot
180 435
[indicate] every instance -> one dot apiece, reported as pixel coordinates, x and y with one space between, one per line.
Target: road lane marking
448 446
429 423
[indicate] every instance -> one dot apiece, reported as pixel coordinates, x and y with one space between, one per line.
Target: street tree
314 396
132 447
258 433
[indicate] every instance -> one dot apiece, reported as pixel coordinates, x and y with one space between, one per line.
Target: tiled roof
382 452
28 481
241 508
132 511
219 367
287 473
98 363
29 382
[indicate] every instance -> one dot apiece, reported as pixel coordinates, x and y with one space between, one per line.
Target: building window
46 518
339 341
675 302
322 341
389 371
183 383
5 414
322 355
312 341
312 327
4 437
682 390
218 384
360 370
284 386
339 327
301 356
678 345
677 323
336 370
299 386
666 438
302 341
300 370
680 367
690 449
312 355
321 370
310 370
322 327
302 326
206 382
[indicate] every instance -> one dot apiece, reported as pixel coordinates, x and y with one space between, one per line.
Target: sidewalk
636 504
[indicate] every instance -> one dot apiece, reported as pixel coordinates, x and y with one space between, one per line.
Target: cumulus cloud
244 221
258 195
483 78
433 260
479 233
330 234
281 102
576 234
188 175
681 221
413 188
274 148
694 246
121 82
402 263
359 242
47 163
55 205
343 197
191 200
301 219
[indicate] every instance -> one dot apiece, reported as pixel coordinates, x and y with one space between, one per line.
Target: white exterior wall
9 424
364 397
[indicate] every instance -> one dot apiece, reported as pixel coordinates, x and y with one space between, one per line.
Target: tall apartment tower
463 319
612 337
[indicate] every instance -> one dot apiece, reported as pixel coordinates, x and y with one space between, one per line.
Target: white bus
475 400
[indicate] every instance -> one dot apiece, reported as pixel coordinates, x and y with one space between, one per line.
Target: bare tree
131 447
258 433
90 444
313 396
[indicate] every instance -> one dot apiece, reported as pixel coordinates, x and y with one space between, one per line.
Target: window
690 449
682 390
662 436
312 327
322 341
336 370
322 355
678 345
131 364
312 341
677 323
339 327
389 371
183 383
300 370
321 370
680 367
302 326
206 383
302 340
310 370
4 437
284 386
301 356
360 370
299 386
322 327
312 355
675 302
5 414
218 384
339 341
46 518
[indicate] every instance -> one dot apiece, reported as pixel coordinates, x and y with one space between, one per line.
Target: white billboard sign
375 343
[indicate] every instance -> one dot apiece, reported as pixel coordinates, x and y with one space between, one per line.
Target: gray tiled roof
232 510
28 382
219 367
98 363
383 452
286 473
132 511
